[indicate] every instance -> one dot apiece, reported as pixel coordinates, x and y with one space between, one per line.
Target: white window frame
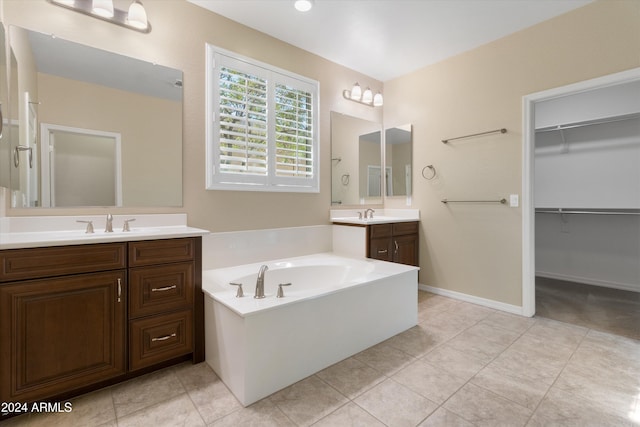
216 180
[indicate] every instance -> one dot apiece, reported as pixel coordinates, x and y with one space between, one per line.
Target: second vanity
83 311
391 235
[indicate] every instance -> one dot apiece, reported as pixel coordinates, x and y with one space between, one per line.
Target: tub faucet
109 227
260 282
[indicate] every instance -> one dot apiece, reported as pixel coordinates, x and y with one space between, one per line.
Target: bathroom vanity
392 235
75 317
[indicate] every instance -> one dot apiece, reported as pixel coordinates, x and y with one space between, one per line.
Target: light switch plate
514 200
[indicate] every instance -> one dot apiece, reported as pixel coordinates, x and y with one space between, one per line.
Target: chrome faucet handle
280 293
125 227
109 227
359 215
89 229
239 294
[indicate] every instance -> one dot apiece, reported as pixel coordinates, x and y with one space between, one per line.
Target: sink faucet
260 282
109 227
368 211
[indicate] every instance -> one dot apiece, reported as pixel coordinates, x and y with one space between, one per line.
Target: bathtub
335 307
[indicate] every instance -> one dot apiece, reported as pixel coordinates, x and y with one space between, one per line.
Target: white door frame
528 163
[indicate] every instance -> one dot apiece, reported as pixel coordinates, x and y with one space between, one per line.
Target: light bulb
137 16
367 96
303 5
377 100
103 8
356 92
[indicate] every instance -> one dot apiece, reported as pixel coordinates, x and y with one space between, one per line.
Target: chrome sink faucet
370 212
260 282
109 227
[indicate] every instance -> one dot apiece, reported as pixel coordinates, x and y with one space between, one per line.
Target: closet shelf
569 211
589 123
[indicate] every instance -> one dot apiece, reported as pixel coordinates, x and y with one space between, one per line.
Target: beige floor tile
510 321
415 341
484 408
520 390
483 341
308 401
425 379
384 358
349 415
195 376
558 333
543 348
214 400
562 409
178 411
351 377
261 414
144 391
459 363
444 418
396 405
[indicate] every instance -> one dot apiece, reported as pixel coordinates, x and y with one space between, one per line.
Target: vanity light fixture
134 19
303 5
367 98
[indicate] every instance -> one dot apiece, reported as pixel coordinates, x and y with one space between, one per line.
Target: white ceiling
385 39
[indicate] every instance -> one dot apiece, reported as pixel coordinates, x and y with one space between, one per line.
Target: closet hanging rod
589 123
502 201
585 212
503 130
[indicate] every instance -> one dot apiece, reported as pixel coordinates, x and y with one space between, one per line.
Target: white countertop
31 232
380 216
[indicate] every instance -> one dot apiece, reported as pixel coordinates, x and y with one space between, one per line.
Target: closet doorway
581 219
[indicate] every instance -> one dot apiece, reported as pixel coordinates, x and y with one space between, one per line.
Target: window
262 126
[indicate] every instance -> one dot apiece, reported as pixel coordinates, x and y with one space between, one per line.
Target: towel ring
433 172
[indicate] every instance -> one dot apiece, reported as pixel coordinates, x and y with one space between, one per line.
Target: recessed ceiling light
303 5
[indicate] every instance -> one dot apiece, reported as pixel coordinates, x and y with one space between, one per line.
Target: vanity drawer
405 228
380 230
32 263
150 252
160 288
159 338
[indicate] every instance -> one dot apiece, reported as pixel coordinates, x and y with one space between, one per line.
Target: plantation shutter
263 134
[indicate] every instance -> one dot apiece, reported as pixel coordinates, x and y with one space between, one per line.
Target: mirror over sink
90 127
357 165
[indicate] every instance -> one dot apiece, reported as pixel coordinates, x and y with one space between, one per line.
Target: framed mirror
95 128
398 160
356 161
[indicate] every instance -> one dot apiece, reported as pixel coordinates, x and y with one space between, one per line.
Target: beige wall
477 249
180 31
472 249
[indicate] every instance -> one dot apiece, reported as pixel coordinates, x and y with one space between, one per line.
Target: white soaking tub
335 308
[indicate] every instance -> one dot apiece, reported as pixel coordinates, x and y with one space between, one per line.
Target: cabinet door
61 334
381 249
406 249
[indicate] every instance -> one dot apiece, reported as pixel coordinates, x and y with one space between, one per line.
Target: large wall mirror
356 161
94 128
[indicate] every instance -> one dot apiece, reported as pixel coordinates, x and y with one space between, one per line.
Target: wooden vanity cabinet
59 332
161 298
395 242
76 316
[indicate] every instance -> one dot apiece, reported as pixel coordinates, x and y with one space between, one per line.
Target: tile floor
596 307
463 365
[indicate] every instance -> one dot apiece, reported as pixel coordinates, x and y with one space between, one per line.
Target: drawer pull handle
166 288
119 289
396 243
166 337
382 251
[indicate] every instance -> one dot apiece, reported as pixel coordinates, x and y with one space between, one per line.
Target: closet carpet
603 309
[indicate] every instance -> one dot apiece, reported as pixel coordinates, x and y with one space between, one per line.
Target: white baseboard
589 281
509 308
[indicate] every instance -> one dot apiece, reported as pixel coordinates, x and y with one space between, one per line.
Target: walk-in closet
587 208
